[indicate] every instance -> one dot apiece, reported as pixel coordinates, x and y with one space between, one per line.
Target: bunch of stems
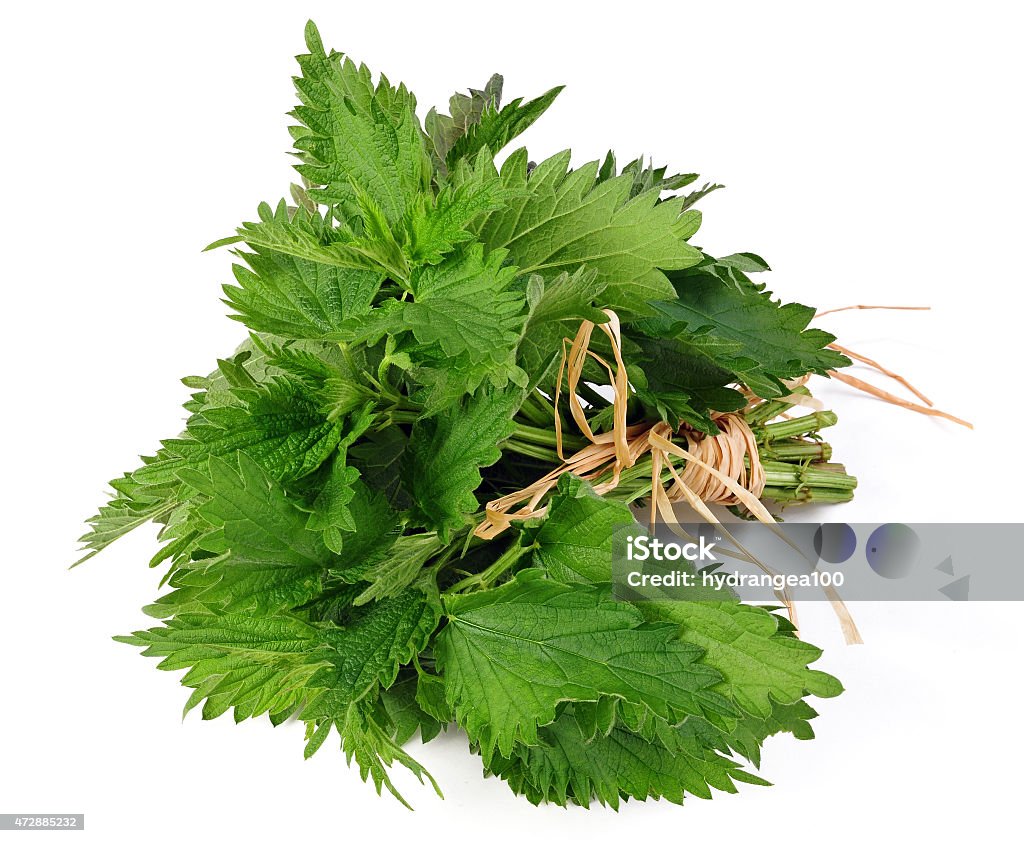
796 460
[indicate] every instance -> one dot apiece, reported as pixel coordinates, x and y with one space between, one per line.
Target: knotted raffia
726 451
723 469
716 470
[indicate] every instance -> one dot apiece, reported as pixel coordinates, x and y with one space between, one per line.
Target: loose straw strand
878 392
868 307
878 367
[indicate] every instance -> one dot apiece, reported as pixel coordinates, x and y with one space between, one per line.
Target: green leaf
355 133
378 455
446 452
496 128
744 331
310 237
296 298
254 665
330 513
377 528
758 666
366 738
465 322
255 519
566 219
679 379
431 698
509 655
434 226
574 543
444 129
646 177
364 658
744 262
399 566
621 765
131 507
751 732
401 703
260 556
466 307
556 308
275 424
368 652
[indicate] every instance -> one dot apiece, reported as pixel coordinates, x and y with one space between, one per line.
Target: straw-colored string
724 469
927 409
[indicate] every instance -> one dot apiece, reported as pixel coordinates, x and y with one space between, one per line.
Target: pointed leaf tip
313 41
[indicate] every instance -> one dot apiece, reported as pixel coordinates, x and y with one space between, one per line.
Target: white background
872 154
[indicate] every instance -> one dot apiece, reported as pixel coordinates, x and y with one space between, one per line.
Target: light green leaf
758 666
275 424
260 556
254 665
465 305
310 237
366 738
565 766
399 566
295 298
355 133
446 452
435 225
509 655
557 306
574 543
567 219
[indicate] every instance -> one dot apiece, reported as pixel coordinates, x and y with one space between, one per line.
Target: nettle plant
392 508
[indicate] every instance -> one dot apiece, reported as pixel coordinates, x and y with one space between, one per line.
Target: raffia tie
716 468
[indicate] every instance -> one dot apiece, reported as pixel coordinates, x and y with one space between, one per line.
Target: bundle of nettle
392 508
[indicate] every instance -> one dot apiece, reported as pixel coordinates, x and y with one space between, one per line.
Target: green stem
795 450
527 449
542 405
787 474
534 414
807 494
591 395
546 436
536 435
768 410
403 416
795 427
487 577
